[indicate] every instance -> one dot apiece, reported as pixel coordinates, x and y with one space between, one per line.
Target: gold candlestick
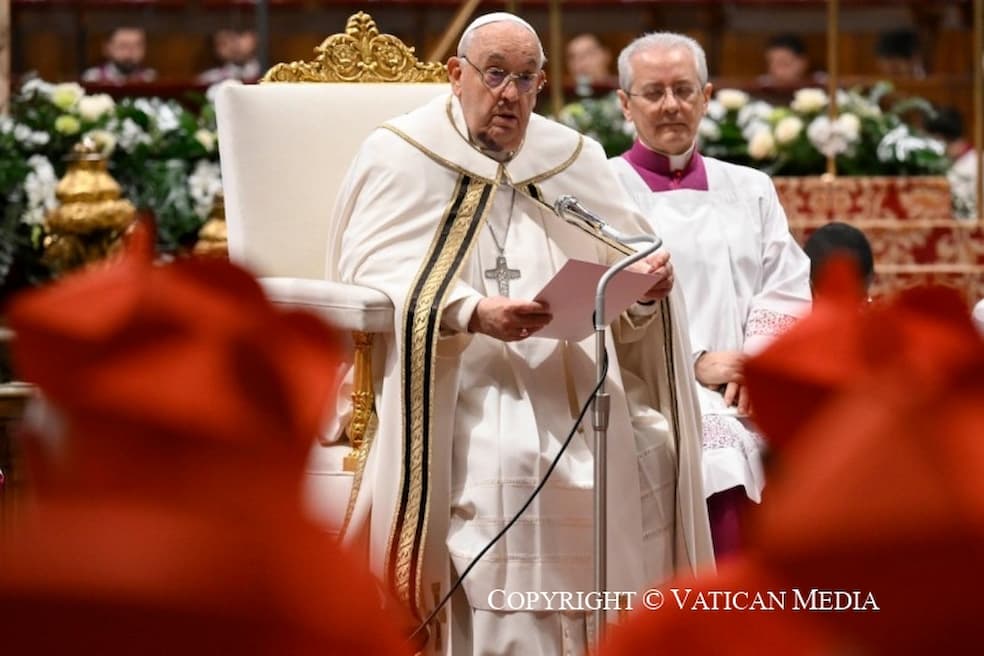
91 219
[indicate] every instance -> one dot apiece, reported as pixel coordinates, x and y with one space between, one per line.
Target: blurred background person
948 125
124 49
235 53
836 238
787 63
589 64
898 53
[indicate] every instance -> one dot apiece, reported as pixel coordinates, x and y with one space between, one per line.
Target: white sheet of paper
571 297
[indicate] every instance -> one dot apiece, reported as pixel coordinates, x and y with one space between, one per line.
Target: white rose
104 139
850 126
206 138
167 117
37 85
131 135
749 131
204 182
732 99
92 108
22 133
715 110
762 145
39 187
826 137
788 129
708 130
754 111
809 101
66 95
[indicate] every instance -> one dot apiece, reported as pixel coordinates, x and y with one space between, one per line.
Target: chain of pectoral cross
501 273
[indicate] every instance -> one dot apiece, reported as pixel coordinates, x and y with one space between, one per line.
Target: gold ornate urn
91 220
213 236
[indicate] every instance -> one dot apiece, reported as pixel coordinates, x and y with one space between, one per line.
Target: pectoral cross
502 274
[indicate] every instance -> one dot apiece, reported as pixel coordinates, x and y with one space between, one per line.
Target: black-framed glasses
496 79
684 93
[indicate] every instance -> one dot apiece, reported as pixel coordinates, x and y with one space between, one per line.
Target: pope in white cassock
743 276
447 211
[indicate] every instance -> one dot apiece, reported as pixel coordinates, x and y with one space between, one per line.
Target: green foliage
602 120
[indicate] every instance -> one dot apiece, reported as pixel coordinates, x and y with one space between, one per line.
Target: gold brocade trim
446 163
361 456
452 242
360 54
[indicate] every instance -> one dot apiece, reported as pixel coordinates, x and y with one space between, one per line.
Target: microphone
571 210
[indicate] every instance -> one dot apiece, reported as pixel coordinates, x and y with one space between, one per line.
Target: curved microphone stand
573 212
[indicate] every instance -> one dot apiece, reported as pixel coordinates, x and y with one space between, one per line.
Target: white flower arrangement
864 139
153 146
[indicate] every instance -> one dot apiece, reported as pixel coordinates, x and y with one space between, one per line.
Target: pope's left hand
658 264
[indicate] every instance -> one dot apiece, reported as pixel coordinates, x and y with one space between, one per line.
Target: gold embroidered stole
419 333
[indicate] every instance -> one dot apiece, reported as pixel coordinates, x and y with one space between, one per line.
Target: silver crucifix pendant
502 274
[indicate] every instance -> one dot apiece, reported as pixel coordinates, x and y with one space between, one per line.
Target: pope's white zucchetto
494 17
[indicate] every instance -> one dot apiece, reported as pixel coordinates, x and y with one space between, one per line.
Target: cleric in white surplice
743 276
447 211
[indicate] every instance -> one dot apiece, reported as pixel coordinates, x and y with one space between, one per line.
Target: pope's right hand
508 319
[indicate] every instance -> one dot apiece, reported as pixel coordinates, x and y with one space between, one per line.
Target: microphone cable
522 509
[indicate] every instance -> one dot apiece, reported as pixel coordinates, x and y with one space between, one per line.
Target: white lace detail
767 322
723 432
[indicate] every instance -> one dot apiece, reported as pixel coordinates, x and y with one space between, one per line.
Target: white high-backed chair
285 146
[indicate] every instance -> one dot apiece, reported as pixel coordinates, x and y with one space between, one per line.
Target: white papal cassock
468 424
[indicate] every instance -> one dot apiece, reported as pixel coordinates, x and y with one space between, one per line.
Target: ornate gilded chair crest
360 54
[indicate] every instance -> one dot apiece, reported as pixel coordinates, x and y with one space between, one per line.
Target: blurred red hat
168 515
879 491
187 357
814 358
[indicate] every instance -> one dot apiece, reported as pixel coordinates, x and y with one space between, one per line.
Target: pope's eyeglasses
496 79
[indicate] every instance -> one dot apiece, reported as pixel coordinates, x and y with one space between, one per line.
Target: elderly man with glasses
743 276
447 210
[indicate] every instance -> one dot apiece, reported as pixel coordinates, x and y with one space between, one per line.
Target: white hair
464 43
659 41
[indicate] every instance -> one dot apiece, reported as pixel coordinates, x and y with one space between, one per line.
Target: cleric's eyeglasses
683 93
496 79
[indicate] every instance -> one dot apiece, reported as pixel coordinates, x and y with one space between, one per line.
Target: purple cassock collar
654 168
